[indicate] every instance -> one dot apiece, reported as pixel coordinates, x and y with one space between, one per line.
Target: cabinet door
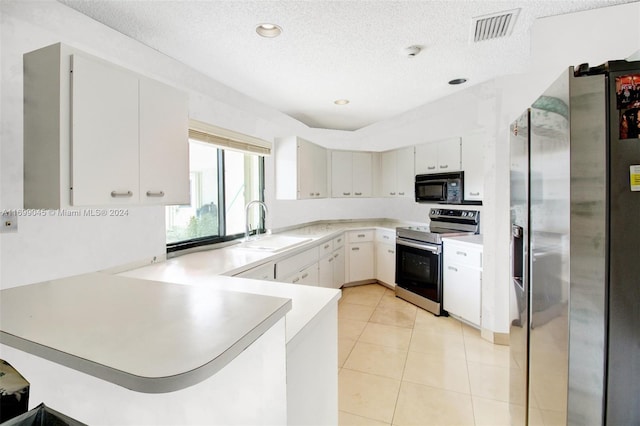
341 174
164 149
320 172
362 174
462 291
426 159
310 275
306 170
339 267
361 261
104 134
386 263
325 271
449 155
473 166
389 181
406 175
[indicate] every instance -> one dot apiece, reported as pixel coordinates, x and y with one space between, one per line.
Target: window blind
228 139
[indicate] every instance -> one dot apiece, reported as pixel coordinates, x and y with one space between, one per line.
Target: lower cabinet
263 272
462 280
361 261
338 267
325 271
386 264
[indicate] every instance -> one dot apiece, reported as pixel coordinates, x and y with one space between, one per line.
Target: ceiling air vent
492 26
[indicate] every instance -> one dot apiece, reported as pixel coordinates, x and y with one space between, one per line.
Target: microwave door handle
433 249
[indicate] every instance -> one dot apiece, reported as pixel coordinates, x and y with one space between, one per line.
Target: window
222 181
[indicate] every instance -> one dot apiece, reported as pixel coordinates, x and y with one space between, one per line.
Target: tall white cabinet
473 147
96 134
397 173
301 169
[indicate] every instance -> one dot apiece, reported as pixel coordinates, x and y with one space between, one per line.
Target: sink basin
272 243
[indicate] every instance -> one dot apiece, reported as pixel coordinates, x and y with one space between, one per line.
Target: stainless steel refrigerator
575 251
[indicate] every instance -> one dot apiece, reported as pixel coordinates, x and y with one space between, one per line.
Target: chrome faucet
246 216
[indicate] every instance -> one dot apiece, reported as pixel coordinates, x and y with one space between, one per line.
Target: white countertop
146 336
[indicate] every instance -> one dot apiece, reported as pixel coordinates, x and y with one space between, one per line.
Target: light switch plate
9 222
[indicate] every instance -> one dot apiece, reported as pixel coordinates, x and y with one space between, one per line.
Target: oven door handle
432 248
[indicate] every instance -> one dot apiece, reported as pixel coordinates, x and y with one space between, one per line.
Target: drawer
360 236
296 263
262 272
385 236
326 248
462 255
338 242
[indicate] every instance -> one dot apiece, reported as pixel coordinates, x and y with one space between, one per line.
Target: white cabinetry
338 261
262 272
301 268
351 174
462 280
301 169
473 146
98 134
361 256
385 257
397 175
438 157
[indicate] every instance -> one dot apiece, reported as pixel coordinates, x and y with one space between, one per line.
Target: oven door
418 268
431 191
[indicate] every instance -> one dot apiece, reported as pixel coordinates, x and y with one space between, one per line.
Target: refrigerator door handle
517 255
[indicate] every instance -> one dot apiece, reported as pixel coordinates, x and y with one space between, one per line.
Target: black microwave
444 188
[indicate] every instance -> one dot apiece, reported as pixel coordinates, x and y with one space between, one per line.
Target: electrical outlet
9 222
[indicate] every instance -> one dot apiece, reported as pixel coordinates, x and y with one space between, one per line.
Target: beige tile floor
400 365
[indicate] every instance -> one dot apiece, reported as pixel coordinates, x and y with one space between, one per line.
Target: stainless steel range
419 256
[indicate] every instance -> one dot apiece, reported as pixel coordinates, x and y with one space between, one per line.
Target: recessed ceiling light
268 30
341 102
458 81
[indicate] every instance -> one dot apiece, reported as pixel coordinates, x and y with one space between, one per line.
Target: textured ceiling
331 50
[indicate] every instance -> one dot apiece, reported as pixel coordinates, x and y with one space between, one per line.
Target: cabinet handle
339 240
335 255
431 167
305 276
326 246
346 193
361 235
311 194
474 193
386 237
330 259
355 248
115 194
391 251
451 268
317 194
155 194
446 166
358 193
400 193
392 193
295 280
461 253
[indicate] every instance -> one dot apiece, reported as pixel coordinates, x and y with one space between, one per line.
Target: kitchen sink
272 243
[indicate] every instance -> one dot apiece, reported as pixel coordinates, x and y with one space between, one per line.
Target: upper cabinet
301 169
351 174
473 147
96 134
397 173
438 157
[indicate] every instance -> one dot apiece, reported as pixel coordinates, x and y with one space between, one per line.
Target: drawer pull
358 193
336 255
474 193
386 237
339 240
311 194
391 251
445 166
330 259
305 275
355 248
392 193
295 280
326 246
400 193
155 194
317 194
461 253
431 167
115 194
451 268
346 193
361 235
